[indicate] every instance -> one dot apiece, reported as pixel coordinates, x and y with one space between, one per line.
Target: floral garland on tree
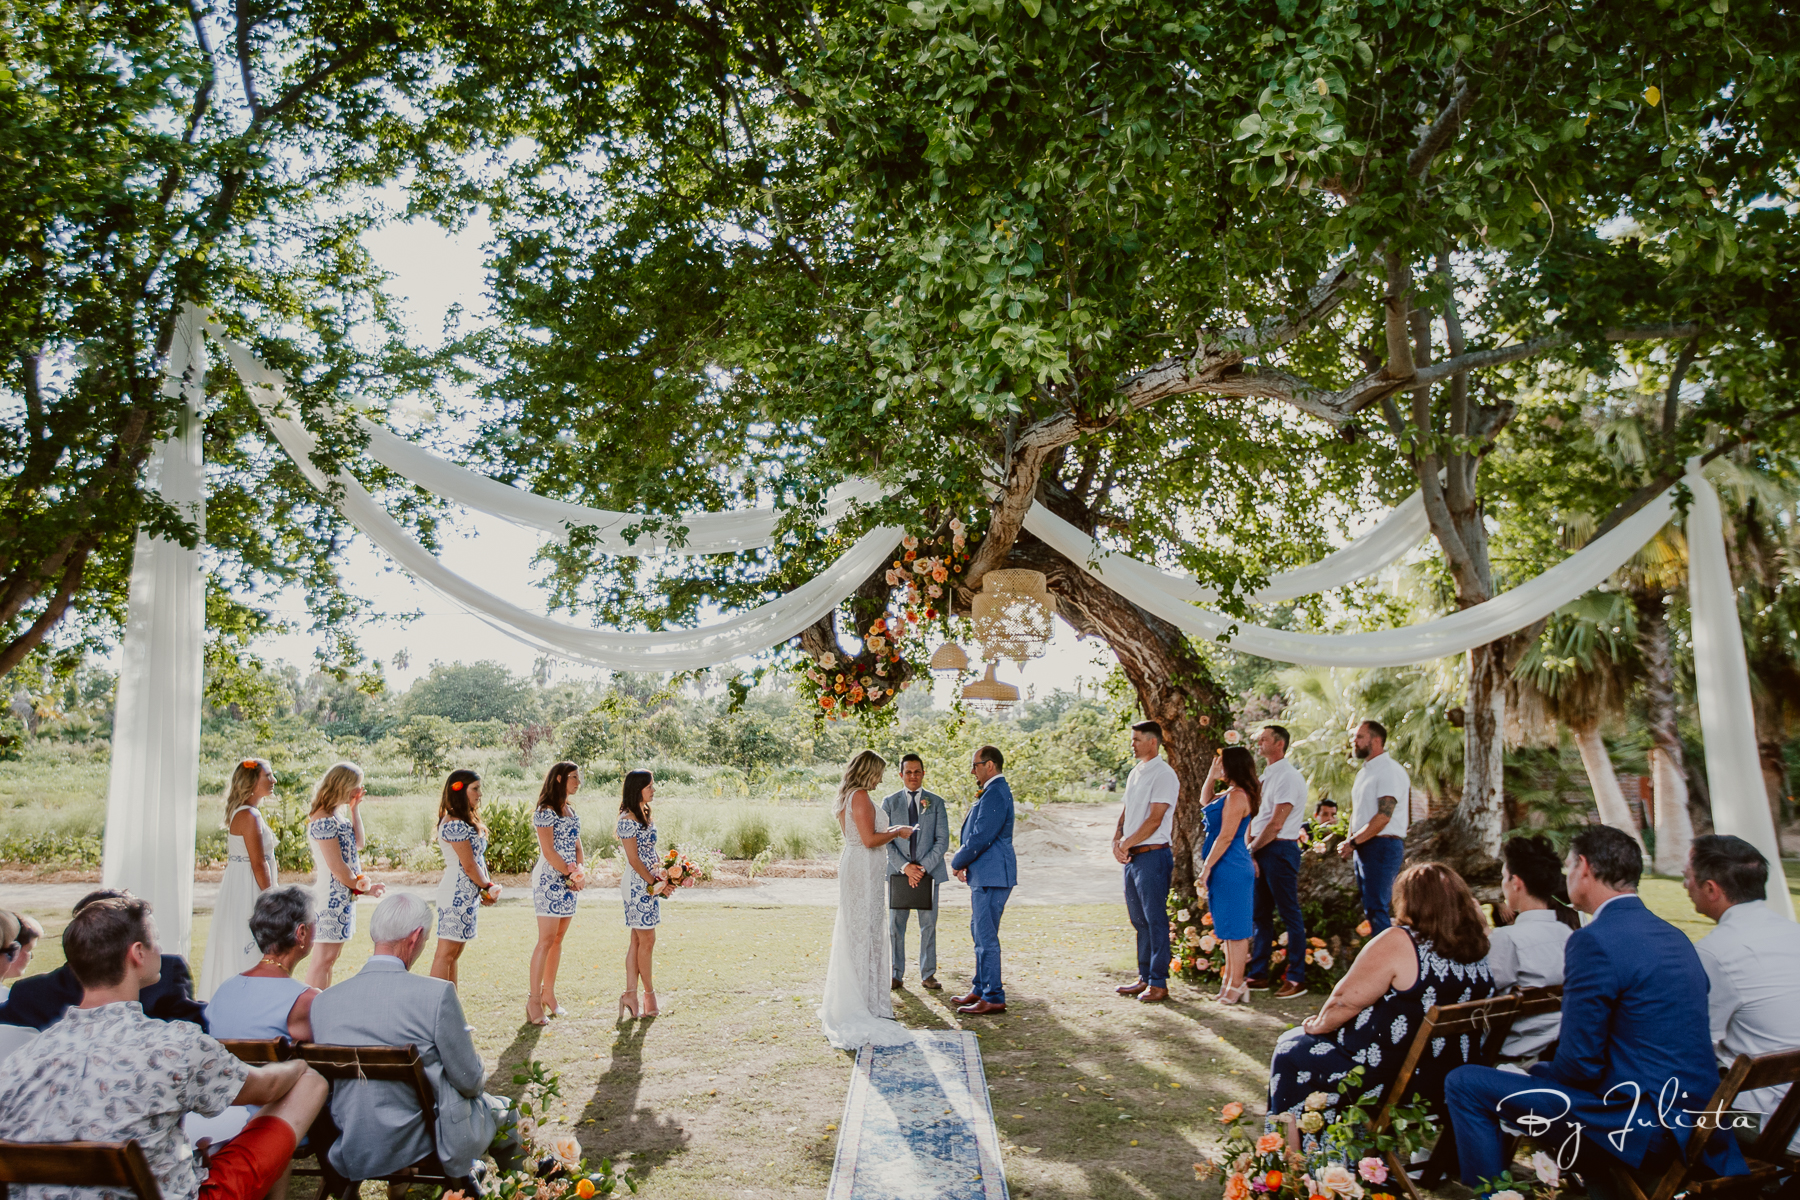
894 650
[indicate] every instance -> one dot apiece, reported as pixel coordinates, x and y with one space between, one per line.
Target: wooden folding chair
259 1051
119 1165
389 1064
1486 1023
1768 1158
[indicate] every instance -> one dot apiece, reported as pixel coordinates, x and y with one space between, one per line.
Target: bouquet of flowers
554 1167
678 871
360 885
492 892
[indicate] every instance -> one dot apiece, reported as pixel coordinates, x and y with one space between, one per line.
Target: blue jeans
1278 889
1378 861
927 937
1147 903
986 905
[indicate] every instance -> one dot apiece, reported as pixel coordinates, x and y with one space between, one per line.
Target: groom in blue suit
985 862
1635 1061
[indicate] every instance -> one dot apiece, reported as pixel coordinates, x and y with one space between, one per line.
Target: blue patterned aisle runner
918 1125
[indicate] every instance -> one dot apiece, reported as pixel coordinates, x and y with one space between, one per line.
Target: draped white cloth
707 532
150 810
748 632
1740 801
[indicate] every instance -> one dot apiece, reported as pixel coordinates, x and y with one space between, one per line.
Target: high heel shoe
1237 995
540 1019
650 1008
628 1003
558 1011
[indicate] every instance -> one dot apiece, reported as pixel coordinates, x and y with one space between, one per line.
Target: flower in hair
457 786
250 764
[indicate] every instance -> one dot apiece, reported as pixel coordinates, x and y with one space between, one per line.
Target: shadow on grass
500 1083
615 1108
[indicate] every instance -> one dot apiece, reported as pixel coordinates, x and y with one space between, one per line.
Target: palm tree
1579 673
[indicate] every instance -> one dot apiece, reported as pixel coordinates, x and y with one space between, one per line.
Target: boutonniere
924 801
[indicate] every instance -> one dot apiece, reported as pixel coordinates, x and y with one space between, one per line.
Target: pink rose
1373 1170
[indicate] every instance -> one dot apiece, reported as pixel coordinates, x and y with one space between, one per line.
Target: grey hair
278 913
397 916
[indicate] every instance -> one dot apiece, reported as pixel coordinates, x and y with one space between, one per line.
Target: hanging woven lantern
950 659
1012 614
989 695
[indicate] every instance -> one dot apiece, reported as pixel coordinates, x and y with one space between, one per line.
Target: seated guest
1324 817
1529 952
39 1002
18 935
1752 960
108 1073
384 1004
267 1001
1432 955
1633 1042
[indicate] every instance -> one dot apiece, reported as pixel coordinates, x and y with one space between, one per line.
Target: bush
481 734
52 849
483 691
427 741
512 838
748 836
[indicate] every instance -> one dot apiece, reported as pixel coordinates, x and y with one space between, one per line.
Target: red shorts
247 1166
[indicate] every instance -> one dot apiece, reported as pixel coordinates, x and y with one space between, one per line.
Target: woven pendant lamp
1012 615
950 659
989 695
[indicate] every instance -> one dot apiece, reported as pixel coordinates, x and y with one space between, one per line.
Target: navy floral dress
642 910
1379 1037
458 898
550 896
337 907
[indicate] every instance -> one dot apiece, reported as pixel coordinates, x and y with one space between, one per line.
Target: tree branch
1441 132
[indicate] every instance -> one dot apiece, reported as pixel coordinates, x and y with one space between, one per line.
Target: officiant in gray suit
918 856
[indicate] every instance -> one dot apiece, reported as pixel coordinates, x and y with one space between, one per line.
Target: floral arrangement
894 644
1546 1186
1199 956
1341 1156
679 870
554 1167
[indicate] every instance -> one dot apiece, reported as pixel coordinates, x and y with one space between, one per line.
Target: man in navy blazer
39 1001
1635 1060
985 862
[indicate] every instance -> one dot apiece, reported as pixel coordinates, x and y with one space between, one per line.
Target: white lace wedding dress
859 1005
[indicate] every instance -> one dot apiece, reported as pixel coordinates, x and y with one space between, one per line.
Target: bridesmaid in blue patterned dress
466 886
640 883
560 873
336 840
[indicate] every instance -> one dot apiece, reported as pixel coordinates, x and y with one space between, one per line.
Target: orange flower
585 1189
1237 1187
1268 1143
911 554
1231 1112
1364 929
856 694
1272 1181
827 702
1206 919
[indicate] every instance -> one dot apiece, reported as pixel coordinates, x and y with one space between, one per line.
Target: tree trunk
1484 749
1174 687
1769 730
1668 760
1607 795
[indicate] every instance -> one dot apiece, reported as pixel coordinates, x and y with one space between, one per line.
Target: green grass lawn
733 1092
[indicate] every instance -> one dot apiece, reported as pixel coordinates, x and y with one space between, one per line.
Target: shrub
427 741
512 838
748 836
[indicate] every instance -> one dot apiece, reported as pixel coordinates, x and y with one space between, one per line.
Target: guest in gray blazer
922 854
384 1004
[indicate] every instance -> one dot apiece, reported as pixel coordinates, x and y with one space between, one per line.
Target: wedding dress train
859 1005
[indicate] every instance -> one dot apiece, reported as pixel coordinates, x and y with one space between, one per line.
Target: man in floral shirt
108 1073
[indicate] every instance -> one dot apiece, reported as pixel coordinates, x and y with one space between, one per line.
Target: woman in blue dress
466 886
560 872
1228 876
641 883
335 833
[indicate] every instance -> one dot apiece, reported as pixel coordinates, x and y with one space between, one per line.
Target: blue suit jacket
39 1001
987 849
1634 1017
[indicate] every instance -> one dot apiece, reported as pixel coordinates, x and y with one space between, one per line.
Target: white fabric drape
746 633
155 778
1740 803
1162 594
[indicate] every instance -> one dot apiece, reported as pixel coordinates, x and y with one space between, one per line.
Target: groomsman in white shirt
1380 804
1752 959
1144 842
1275 845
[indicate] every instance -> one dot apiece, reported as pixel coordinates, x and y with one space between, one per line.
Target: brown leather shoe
971 998
896 985
1257 983
930 984
981 1008
1289 989
1153 995
1131 989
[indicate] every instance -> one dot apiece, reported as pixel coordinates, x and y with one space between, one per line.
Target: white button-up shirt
1529 953
1152 781
1381 776
1752 961
1282 784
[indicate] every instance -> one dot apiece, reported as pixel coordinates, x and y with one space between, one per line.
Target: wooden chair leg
1397 1175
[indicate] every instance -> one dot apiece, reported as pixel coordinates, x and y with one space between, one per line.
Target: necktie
912 818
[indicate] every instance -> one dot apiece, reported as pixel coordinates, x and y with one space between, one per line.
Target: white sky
434 270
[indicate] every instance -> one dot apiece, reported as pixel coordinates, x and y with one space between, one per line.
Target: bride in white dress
249 872
859 1005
